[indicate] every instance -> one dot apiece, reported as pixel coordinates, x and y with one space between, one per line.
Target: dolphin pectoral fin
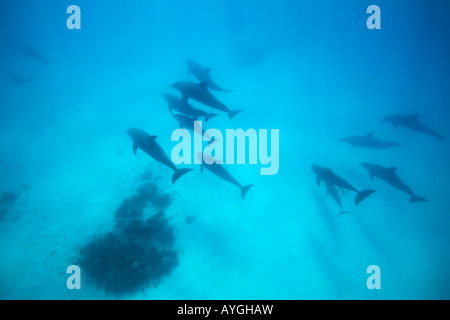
245 189
362 195
152 138
318 181
184 97
417 199
135 147
178 173
231 114
371 175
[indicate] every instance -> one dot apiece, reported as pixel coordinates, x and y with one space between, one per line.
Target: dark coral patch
140 250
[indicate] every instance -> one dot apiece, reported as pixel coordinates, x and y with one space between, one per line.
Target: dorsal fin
207 70
392 169
152 138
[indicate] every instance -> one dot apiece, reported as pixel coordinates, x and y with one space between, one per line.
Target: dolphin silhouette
220 171
189 123
330 178
412 122
368 141
185 108
203 75
389 175
30 52
19 79
148 144
200 93
332 190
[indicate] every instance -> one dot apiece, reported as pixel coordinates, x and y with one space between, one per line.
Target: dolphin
203 75
368 141
200 93
19 79
30 52
389 175
185 108
332 190
148 144
412 122
189 123
327 175
220 171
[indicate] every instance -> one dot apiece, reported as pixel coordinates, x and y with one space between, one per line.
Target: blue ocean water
311 69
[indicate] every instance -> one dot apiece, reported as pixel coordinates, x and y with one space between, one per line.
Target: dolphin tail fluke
417 199
178 173
209 116
245 189
231 114
362 195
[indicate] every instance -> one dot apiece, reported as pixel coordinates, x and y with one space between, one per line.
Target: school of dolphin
201 93
186 116
333 182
